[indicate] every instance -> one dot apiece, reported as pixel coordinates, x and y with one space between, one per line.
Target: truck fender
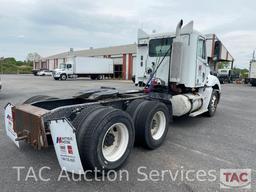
213 81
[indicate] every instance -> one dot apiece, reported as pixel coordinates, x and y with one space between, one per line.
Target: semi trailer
97 128
252 71
93 67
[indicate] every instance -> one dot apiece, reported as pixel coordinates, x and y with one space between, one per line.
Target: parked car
35 71
44 73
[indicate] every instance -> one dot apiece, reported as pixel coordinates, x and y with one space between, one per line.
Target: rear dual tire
105 137
151 121
98 77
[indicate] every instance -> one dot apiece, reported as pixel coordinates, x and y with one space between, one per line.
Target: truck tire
81 117
133 107
99 77
93 77
38 98
253 84
63 77
105 139
133 78
151 121
56 78
213 103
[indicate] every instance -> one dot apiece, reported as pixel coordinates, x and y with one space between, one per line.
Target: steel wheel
214 102
212 107
158 125
115 142
63 77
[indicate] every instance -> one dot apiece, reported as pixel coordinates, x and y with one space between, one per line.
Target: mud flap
8 119
64 139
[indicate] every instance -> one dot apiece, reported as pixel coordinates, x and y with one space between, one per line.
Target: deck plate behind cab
28 123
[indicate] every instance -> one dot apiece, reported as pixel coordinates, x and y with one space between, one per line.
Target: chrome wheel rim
214 103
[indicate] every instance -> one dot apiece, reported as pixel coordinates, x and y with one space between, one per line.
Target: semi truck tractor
95 68
227 75
252 71
97 128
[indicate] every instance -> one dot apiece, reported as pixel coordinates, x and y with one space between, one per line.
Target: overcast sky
49 27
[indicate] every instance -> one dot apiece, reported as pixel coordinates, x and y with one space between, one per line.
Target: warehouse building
123 58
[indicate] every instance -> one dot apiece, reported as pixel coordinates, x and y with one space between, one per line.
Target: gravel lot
224 141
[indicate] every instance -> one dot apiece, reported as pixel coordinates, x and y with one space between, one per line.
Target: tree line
10 65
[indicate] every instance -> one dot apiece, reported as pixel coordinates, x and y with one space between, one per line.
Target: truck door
201 62
69 69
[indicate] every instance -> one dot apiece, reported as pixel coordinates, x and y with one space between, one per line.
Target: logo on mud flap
70 150
63 149
64 140
9 118
58 140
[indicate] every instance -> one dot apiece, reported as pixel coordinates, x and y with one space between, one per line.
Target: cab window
159 47
201 48
63 66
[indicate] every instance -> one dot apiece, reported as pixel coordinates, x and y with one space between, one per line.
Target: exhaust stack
176 56
178 28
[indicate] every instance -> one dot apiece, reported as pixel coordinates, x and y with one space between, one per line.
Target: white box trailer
252 72
93 67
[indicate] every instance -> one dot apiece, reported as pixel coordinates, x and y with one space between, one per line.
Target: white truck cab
63 71
178 62
191 68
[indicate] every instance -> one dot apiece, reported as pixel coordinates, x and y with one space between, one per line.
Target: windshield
159 47
63 66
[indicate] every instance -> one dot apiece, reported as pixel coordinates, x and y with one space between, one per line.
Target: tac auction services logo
235 178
